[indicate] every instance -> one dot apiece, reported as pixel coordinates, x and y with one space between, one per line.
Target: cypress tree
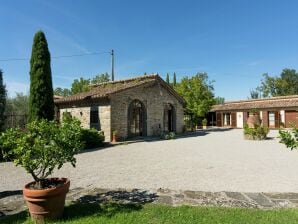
168 78
174 79
2 101
41 102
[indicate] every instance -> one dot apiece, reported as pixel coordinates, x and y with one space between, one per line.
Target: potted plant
114 139
204 122
41 148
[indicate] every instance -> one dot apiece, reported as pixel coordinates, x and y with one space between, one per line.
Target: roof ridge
126 80
261 99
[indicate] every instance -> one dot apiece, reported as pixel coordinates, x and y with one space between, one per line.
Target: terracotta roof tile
105 89
274 102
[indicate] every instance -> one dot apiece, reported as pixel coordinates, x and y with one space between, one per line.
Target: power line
61 56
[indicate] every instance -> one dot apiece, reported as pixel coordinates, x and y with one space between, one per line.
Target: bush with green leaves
204 122
42 147
259 132
289 138
168 136
91 138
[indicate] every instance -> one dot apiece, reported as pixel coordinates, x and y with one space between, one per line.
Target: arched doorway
136 119
169 118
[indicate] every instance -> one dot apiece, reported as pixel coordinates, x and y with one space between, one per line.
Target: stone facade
161 108
154 98
82 112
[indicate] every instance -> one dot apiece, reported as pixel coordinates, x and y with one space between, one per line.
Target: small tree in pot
41 148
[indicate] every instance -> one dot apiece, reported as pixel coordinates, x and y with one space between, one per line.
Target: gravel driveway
211 161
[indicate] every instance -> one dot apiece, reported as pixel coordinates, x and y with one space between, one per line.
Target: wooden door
291 119
218 119
234 120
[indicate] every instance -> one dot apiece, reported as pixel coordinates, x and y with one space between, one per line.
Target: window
94 118
227 119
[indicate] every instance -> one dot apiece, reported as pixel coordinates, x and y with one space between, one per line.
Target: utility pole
112 54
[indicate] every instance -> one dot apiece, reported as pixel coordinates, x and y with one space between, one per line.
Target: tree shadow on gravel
97 204
4 194
108 204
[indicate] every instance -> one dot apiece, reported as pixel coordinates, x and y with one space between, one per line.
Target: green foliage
198 93
16 111
41 102
254 94
91 138
289 138
168 78
100 78
62 92
283 85
204 122
257 133
174 79
219 100
43 146
168 136
80 85
2 101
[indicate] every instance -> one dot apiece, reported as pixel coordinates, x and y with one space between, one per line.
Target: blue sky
234 41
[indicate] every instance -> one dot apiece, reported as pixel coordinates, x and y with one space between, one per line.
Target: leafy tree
174 79
41 102
254 94
16 111
219 100
80 85
100 78
145 73
2 101
62 92
83 85
198 93
289 138
168 78
43 147
283 85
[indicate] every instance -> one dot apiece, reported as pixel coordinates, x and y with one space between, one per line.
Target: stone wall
154 97
82 112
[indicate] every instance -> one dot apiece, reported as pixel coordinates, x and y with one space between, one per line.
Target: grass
153 214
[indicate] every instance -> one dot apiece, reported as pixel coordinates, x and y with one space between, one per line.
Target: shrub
91 138
42 147
289 138
167 136
257 133
204 122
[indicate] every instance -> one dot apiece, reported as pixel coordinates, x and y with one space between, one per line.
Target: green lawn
115 213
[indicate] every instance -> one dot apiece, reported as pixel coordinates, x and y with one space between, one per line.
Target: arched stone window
137 125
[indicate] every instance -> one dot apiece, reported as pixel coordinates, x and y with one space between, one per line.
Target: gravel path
214 161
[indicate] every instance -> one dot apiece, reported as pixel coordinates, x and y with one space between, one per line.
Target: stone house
274 112
141 106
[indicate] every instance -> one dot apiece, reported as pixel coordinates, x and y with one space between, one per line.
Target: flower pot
46 203
252 120
114 138
204 126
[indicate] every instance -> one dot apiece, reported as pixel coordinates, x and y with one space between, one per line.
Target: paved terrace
210 161
217 167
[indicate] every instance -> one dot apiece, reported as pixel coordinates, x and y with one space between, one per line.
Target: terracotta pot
46 203
252 120
114 138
